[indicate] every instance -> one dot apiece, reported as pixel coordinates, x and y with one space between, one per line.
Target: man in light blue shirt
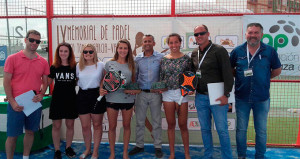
148 66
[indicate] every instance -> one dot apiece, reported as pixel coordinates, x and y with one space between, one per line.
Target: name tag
198 74
248 72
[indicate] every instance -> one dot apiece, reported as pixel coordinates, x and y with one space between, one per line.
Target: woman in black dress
63 106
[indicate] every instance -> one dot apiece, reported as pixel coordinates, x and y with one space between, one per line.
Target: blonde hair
82 61
129 57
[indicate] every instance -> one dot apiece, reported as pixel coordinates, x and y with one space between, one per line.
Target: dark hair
256 25
174 34
32 32
71 57
149 35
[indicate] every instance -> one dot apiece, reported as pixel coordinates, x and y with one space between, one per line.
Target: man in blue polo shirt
148 66
254 64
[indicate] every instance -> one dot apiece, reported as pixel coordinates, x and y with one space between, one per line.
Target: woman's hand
191 92
103 92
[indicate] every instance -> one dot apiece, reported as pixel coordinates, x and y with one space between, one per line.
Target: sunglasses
85 52
34 40
201 33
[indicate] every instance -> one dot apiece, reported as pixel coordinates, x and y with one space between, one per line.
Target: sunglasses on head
201 33
85 52
34 40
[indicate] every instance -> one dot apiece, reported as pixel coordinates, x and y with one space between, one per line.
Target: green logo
280 41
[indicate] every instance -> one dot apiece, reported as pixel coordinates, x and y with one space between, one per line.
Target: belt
146 90
90 89
205 93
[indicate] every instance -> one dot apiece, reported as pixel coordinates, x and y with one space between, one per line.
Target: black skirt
63 105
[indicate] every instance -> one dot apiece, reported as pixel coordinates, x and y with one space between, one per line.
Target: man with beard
254 64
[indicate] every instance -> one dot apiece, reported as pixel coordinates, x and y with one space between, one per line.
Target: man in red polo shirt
24 71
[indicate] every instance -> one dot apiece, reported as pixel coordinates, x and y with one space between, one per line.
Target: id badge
248 72
198 74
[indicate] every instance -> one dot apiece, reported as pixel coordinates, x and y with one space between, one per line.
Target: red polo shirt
26 73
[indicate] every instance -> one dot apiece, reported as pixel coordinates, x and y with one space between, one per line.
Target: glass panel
12 34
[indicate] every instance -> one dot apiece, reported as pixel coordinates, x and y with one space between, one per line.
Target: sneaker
57 154
136 150
158 153
70 152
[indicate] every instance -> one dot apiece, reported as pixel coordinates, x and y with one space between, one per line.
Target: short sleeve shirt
254 88
26 73
119 96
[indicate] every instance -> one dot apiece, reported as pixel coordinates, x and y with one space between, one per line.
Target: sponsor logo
2 55
192 42
191 106
282 34
193 124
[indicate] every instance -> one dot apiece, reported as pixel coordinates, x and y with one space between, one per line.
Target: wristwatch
227 95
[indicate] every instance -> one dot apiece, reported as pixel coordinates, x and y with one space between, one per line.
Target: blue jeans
205 112
260 116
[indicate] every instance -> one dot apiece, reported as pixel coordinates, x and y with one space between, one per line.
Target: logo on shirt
61 76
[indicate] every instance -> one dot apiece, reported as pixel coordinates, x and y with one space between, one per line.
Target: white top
90 76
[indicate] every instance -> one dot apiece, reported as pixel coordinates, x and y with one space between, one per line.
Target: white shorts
173 96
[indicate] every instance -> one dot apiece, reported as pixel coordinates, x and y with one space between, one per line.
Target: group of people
252 64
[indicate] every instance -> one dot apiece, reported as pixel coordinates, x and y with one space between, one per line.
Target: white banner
104 33
283 33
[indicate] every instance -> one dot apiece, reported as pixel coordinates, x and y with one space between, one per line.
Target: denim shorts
17 120
173 96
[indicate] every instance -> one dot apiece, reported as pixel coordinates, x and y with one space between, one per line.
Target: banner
104 33
3 55
283 33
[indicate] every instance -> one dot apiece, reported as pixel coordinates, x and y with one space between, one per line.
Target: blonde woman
123 63
90 73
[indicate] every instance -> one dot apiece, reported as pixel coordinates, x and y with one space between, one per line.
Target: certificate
216 90
25 100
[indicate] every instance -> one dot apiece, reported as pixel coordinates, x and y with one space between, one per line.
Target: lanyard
248 55
203 56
